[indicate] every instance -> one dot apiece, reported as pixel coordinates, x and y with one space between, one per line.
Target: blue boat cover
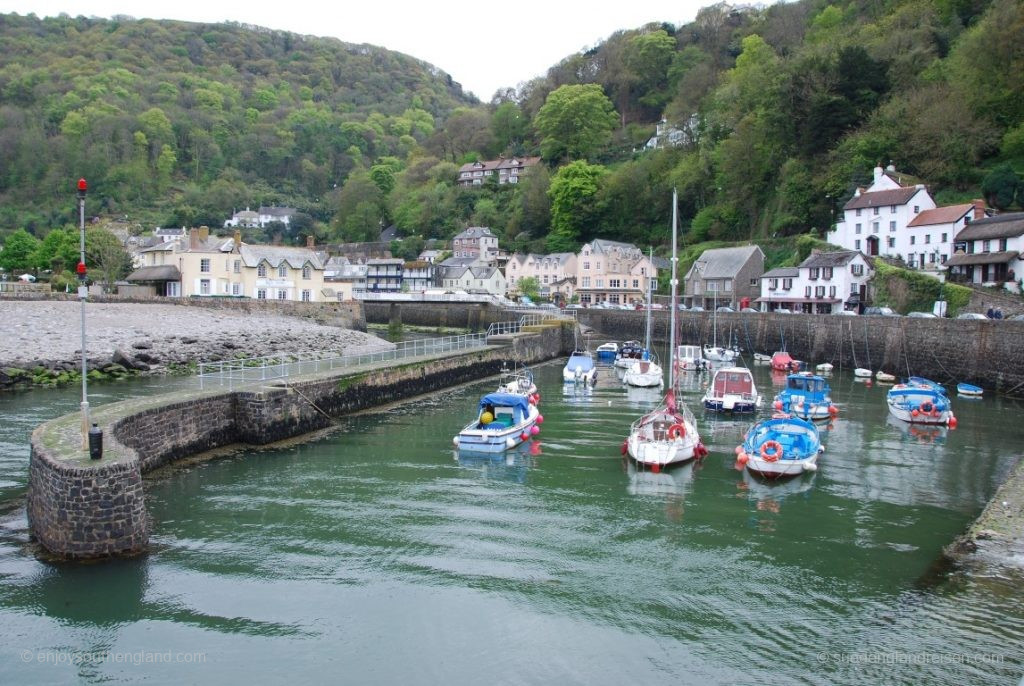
506 400
582 362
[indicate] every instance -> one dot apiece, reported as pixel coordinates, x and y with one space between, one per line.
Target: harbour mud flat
41 341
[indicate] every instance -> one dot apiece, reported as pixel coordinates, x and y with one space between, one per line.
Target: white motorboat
645 373
504 420
689 358
732 389
580 368
862 373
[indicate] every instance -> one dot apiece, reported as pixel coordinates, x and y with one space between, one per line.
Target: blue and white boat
732 389
920 401
781 446
606 352
628 352
807 396
969 390
503 421
580 368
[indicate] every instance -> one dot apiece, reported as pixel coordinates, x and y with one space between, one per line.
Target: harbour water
375 554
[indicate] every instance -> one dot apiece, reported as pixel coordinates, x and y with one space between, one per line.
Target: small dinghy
862 373
824 367
884 377
783 446
969 390
761 358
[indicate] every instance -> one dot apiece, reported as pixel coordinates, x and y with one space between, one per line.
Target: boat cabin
733 383
502 410
806 383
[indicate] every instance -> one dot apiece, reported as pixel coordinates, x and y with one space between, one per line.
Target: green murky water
374 555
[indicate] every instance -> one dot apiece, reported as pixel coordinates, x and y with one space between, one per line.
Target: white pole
672 316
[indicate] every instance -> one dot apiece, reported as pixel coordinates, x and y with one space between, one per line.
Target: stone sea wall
80 508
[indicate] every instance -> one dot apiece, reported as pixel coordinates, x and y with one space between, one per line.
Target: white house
823 283
875 219
613 272
932 232
989 250
476 279
249 219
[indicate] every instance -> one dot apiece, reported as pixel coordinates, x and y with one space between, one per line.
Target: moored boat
807 396
629 351
761 358
580 368
782 361
920 401
518 382
862 373
782 446
731 389
504 420
644 373
884 377
969 390
689 358
824 367
606 352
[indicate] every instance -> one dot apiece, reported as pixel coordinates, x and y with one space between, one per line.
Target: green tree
1001 186
572 192
529 286
106 257
19 252
575 122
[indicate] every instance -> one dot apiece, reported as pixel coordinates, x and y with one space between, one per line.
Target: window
238 266
927 238
892 209
857 269
773 284
913 239
917 209
826 273
819 291
874 211
807 291
891 242
892 227
236 289
597 265
858 211
728 285
307 273
282 270
600 283
204 287
636 283
787 284
1002 244
614 283
856 244
282 294
753 283
815 273
586 282
261 294
944 236
261 271
857 229
307 295
931 258
831 291
204 265
545 280
986 246
586 265
874 227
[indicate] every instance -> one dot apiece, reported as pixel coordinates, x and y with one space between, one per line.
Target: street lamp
83 293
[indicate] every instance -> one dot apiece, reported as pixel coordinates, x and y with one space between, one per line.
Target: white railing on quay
243 371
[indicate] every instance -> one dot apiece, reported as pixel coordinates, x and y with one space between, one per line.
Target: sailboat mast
650 296
672 302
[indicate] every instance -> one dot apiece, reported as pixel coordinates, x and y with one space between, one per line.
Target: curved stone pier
80 508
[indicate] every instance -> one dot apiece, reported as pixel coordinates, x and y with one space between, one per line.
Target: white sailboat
645 372
715 353
668 434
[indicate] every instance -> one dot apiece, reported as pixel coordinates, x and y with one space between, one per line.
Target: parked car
922 315
971 315
749 310
846 313
1016 318
782 310
683 307
696 308
883 311
724 308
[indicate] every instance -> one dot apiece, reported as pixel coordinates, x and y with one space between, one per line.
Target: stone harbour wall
80 508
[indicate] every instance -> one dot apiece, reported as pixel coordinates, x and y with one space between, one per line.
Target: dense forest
784 111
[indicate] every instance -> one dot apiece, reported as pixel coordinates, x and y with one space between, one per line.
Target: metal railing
532 318
239 372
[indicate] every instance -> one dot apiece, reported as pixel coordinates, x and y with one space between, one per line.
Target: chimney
204 233
193 239
878 173
979 209
238 239
311 241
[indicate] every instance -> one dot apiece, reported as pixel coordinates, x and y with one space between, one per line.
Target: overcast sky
483 44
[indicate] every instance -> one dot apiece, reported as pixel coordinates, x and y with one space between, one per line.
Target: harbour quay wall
471 316
80 508
987 353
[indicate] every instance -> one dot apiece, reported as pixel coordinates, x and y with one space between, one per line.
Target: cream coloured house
613 272
475 279
555 273
202 266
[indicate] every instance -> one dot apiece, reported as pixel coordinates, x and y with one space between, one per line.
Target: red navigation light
82 186
81 269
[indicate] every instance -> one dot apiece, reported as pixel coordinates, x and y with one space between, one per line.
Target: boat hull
782 468
661 453
729 405
474 440
587 377
969 390
906 415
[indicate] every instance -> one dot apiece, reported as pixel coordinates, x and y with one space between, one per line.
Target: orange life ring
776 451
927 407
676 431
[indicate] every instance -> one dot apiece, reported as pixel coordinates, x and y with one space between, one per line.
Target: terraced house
555 273
613 272
202 266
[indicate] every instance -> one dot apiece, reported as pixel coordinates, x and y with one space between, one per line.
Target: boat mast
650 295
672 315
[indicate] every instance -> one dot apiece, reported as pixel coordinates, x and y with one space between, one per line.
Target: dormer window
261 270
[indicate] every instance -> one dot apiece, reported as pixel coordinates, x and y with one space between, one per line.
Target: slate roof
896 196
941 215
1001 257
723 263
274 255
830 259
781 273
1000 226
475 232
160 272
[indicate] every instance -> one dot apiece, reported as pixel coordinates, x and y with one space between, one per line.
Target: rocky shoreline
41 344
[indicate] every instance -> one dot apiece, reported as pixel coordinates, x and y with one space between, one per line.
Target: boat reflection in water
768 495
670 485
640 396
511 465
923 434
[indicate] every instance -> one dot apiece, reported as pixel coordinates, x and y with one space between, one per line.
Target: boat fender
625 446
511 442
676 431
742 459
810 467
771 451
455 440
952 422
534 430
833 410
914 412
